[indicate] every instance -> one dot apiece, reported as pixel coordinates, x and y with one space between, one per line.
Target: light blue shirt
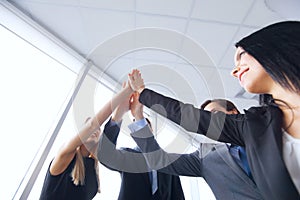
137 125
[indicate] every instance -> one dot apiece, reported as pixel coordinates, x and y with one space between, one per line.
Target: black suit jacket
131 164
259 130
213 162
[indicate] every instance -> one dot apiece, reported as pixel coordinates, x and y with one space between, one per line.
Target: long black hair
277 48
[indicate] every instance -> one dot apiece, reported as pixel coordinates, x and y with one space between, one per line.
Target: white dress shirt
291 157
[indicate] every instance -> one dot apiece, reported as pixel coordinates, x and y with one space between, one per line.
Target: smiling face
252 76
94 138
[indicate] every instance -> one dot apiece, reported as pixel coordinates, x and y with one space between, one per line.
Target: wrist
117 116
116 119
138 116
128 90
141 89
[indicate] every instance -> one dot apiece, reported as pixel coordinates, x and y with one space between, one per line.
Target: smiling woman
268 62
251 73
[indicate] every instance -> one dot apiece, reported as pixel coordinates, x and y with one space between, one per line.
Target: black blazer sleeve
217 126
122 160
169 163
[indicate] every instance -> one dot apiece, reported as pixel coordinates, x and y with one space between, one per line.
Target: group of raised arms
258 154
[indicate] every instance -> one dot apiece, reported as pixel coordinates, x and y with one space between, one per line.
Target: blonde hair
78 172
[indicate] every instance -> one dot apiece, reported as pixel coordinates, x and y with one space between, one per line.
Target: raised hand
136 81
136 107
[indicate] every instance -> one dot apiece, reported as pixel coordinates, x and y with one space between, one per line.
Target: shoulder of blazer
261 119
264 112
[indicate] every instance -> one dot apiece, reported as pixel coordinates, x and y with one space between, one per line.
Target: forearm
107 143
185 115
118 159
95 123
170 163
217 126
110 106
117 115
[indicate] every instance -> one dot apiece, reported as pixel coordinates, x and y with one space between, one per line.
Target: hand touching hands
136 107
136 81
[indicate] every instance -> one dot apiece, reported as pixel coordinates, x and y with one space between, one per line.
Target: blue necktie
152 175
239 154
245 163
153 180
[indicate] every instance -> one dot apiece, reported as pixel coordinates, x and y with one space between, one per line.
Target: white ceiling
184 48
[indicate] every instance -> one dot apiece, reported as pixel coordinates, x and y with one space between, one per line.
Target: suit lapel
225 155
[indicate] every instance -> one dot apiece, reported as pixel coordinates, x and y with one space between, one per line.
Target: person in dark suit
223 166
137 180
267 62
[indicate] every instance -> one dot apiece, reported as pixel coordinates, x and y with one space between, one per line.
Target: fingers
135 80
136 74
130 78
124 84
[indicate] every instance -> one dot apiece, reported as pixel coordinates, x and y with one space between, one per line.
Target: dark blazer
134 170
213 162
259 130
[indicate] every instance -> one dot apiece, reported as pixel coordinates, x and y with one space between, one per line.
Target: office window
33 89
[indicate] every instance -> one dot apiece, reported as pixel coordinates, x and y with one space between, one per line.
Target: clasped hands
134 86
136 81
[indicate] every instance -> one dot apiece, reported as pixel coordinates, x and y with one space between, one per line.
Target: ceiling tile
289 9
158 77
154 56
119 69
215 84
228 59
128 5
214 37
260 15
167 7
194 80
144 45
54 2
194 52
229 83
101 25
155 21
230 11
69 19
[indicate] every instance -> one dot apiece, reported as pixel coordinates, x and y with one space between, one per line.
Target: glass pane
34 87
81 108
110 180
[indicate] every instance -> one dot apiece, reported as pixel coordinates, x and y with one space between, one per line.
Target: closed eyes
242 53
